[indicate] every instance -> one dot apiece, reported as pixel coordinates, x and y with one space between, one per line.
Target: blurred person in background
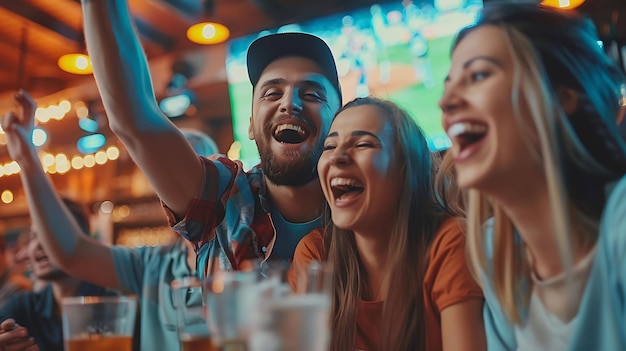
145 271
10 281
21 258
150 271
32 320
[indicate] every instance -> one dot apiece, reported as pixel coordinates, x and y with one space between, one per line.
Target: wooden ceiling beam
150 33
33 14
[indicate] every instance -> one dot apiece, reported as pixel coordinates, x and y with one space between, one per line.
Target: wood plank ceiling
35 33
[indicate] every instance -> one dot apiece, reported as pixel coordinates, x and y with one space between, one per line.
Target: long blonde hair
416 223
447 191
551 50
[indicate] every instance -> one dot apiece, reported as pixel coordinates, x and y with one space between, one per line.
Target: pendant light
208 33
77 62
563 4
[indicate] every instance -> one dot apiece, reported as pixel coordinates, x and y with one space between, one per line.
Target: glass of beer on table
193 331
93 323
297 320
227 302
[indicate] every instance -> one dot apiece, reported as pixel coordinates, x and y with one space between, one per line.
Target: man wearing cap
232 217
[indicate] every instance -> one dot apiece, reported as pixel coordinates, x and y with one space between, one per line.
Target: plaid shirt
228 220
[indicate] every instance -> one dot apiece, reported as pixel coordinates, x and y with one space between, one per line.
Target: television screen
394 50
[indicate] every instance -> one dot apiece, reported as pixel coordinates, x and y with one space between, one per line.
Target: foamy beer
193 331
93 323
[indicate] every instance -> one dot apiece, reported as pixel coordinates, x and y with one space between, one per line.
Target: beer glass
228 298
93 323
296 321
193 332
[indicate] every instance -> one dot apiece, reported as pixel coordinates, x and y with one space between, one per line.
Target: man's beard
299 171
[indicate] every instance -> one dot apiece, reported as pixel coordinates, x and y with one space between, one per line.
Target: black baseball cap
269 48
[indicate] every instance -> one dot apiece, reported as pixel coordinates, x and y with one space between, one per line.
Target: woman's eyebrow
481 57
474 59
364 132
355 133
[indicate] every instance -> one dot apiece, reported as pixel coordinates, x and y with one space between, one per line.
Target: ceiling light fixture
208 33
78 62
563 4
75 63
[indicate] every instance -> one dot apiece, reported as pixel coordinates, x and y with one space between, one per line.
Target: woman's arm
462 326
456 294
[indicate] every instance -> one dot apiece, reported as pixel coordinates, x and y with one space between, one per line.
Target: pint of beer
193 331
100 343
196 343
98 323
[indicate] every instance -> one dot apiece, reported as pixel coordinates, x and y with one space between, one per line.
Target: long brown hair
416 223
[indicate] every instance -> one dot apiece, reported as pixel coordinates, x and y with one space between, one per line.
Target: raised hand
15 338
18 127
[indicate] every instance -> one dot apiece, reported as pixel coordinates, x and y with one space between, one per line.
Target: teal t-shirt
148 273
288 234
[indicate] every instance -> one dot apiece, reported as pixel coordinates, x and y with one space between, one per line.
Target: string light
61 163
7 196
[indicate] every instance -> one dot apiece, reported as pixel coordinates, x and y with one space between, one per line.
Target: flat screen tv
397 50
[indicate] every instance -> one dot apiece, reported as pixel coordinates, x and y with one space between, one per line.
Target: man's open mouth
41 257
291 133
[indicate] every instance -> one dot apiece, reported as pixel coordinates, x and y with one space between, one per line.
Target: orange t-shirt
447 282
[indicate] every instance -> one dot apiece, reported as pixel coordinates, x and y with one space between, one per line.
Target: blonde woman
400 274
530 104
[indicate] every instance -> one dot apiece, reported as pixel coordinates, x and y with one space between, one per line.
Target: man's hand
19 127
15 338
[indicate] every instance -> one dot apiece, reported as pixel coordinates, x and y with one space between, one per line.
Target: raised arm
123 78
60 235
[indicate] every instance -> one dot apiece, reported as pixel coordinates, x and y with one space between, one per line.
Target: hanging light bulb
207 33
75 63
563 4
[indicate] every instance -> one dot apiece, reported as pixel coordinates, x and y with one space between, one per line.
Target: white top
551 318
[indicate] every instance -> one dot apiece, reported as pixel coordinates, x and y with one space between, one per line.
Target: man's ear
250 130
569 99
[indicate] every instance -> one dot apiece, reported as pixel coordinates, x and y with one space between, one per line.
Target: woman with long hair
398 259
531 104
